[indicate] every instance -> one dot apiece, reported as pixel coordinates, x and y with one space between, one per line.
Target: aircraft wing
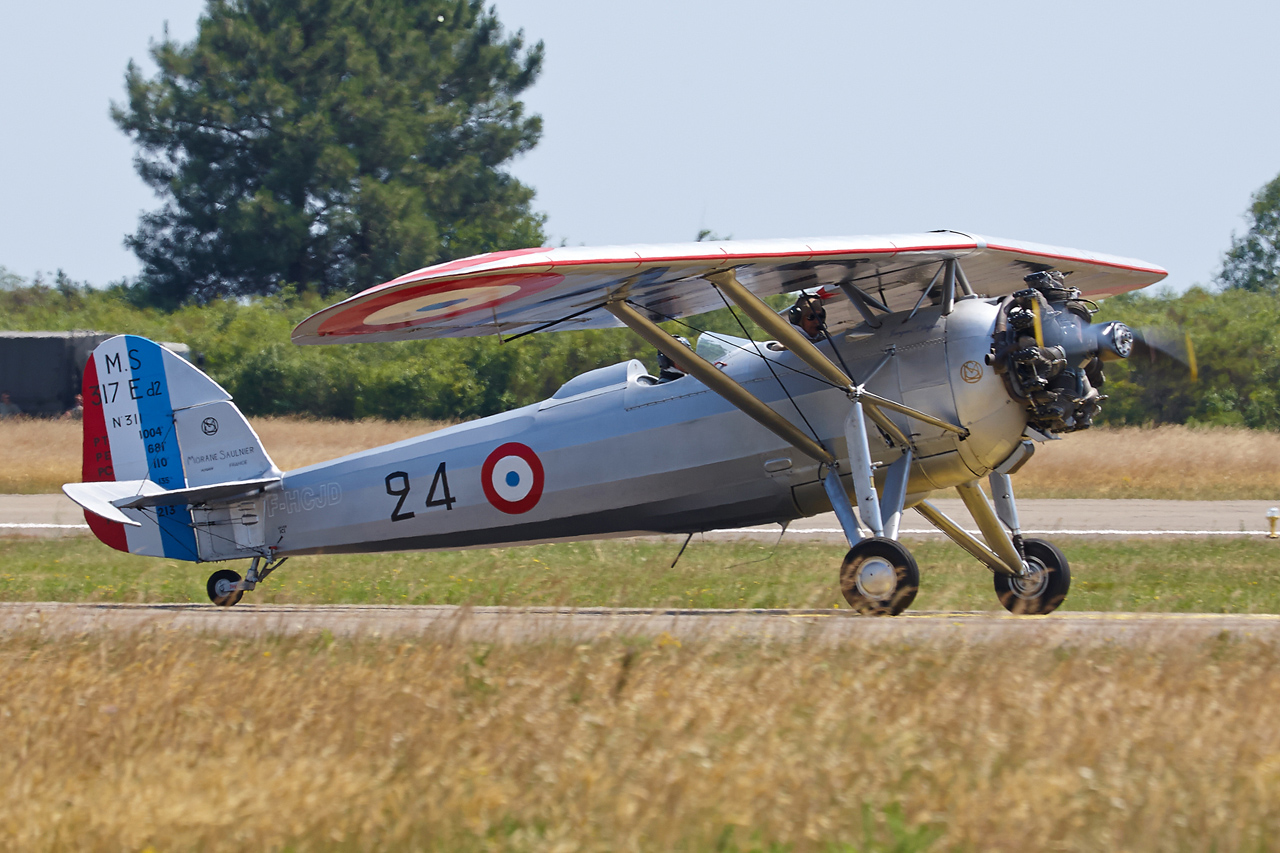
526 290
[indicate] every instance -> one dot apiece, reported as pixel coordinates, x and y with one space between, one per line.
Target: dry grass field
42 455
1171 462
178 742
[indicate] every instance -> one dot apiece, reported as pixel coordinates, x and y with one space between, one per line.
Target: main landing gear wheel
879 577
1042 590
220 589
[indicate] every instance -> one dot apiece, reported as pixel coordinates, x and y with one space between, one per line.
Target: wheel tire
1041 592
219 589
879 577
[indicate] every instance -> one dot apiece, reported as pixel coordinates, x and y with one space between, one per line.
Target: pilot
809 315
668 370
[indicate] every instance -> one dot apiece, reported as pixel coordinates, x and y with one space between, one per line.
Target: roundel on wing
409 305
512 478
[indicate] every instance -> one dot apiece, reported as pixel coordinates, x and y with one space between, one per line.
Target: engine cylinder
1050 354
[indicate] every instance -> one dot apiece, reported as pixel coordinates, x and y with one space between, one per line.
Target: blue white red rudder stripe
151 415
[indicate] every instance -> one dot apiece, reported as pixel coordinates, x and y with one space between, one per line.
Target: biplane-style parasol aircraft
915 364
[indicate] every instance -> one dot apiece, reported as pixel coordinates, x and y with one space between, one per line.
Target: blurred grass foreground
172 741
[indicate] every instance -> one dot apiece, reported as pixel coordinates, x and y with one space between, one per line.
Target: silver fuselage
621 454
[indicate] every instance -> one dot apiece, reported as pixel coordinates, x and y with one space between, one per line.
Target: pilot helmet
806 306
665 364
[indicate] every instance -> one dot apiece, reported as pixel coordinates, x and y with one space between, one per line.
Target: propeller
1165 347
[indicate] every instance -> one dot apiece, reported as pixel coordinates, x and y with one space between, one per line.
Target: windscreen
716 347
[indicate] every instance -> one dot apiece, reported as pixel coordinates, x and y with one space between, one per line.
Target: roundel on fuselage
512 478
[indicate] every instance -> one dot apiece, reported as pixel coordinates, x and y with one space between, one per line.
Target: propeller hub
1115 341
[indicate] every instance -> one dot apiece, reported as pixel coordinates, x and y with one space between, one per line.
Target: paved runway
41 515
531 624
56 515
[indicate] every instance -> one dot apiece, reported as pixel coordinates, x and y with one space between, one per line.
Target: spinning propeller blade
1164 347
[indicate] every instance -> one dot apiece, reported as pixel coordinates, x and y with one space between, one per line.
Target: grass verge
1183 575
160 741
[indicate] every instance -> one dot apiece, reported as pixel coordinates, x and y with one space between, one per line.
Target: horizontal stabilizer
198 494
97 497
109 497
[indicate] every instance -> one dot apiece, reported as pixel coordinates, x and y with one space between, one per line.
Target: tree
329 144
1253 261
1235 334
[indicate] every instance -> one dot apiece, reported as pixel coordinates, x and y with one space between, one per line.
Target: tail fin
149 415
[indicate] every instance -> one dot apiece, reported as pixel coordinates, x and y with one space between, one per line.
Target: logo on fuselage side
512 478
971 371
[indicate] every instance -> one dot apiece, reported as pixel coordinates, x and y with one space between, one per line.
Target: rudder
151 415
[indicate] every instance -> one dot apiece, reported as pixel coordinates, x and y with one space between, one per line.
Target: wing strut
769 320
706 372
864 303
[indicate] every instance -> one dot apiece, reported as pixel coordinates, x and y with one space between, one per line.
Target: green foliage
10 280
1235 335
245 346
331 145
1253 261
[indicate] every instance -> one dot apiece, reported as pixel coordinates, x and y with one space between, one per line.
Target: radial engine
1050 353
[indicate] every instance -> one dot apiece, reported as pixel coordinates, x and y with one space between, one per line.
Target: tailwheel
1044 588
879 577
221 588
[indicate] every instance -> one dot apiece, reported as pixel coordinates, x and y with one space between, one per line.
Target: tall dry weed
1169 462
40 455
44 454
179 742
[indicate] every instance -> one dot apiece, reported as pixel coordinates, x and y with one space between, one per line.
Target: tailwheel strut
225 587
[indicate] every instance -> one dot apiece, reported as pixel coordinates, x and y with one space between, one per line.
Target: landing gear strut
879 577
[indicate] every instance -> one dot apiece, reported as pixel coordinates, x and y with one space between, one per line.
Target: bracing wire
754 352
208 530
767 557
769 363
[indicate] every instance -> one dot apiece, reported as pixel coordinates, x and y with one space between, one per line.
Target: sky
1138 129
